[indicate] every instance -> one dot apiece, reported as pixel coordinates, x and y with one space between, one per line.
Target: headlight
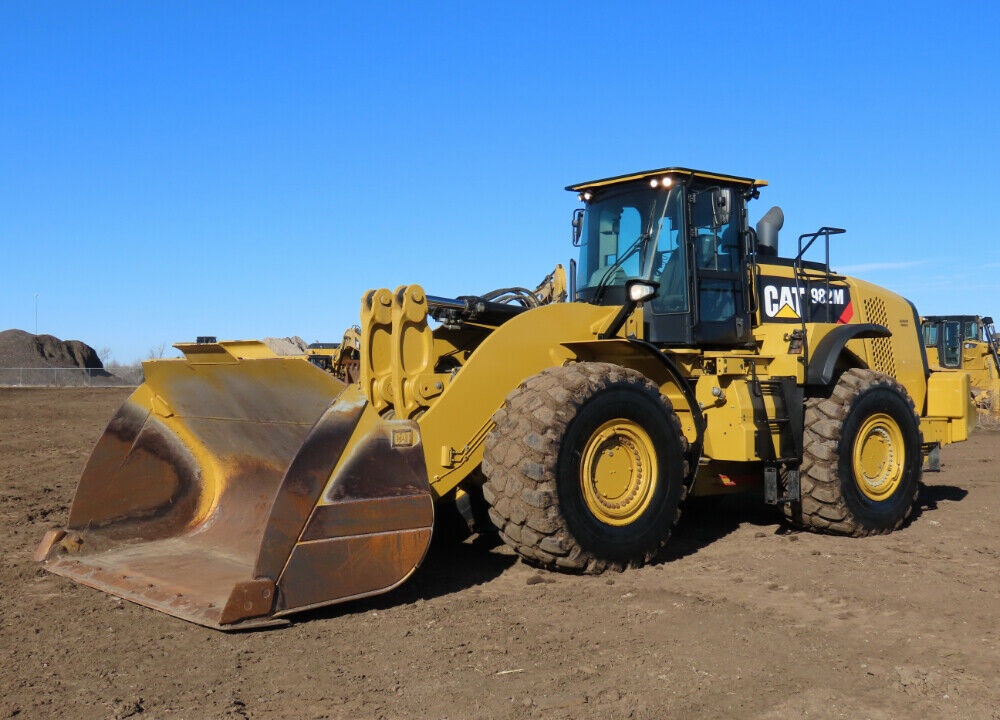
640 290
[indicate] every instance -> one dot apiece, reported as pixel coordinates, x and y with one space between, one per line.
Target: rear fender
823 358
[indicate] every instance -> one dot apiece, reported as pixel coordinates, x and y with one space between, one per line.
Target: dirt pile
287 345
29 359
20 349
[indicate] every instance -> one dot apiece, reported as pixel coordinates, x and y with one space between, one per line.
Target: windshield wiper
610 272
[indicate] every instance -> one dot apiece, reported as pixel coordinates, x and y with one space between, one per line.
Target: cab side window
716 251
952 345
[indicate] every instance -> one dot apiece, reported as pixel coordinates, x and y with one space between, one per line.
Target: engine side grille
882 355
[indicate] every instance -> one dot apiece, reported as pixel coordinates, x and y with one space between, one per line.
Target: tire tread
520 459
823 507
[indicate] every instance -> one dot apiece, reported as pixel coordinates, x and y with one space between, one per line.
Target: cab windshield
632 232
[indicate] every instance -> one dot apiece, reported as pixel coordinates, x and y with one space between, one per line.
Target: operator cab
947 333
684 232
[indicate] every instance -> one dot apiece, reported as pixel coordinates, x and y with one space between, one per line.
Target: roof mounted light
664 182
584 196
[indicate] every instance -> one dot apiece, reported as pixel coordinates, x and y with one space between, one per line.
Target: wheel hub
618 472
878 457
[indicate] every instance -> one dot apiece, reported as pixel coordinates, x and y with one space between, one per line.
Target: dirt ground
742 619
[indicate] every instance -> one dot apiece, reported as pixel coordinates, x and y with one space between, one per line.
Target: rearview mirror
577 226
722 203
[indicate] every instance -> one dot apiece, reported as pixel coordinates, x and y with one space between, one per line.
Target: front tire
862 458
585 468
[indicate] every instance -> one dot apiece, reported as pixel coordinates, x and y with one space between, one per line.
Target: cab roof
679 172
951 318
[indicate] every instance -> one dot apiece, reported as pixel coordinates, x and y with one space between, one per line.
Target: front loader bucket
235 487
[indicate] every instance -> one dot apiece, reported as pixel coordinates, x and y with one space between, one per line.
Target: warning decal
815 301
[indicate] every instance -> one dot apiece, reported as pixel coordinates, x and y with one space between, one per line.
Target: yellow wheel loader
235 488
339 359
969 343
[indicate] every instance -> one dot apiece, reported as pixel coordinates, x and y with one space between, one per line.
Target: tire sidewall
888 513
644 535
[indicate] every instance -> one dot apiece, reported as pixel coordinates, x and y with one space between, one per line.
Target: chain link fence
124 376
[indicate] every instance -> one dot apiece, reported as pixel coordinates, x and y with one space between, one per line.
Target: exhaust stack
767 231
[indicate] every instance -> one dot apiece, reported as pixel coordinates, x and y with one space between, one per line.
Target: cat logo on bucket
781 299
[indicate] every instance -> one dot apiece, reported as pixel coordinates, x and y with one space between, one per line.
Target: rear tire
862 458
585 468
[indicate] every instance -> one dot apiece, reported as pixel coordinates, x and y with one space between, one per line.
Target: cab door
721 314
950 348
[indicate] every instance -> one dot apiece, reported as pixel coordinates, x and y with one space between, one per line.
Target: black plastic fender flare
823 359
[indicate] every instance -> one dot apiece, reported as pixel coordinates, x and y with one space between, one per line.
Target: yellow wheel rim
879 457
618 472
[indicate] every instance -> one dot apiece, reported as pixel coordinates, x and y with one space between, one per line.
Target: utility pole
36 313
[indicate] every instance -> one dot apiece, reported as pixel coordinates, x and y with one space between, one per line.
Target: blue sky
250 169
